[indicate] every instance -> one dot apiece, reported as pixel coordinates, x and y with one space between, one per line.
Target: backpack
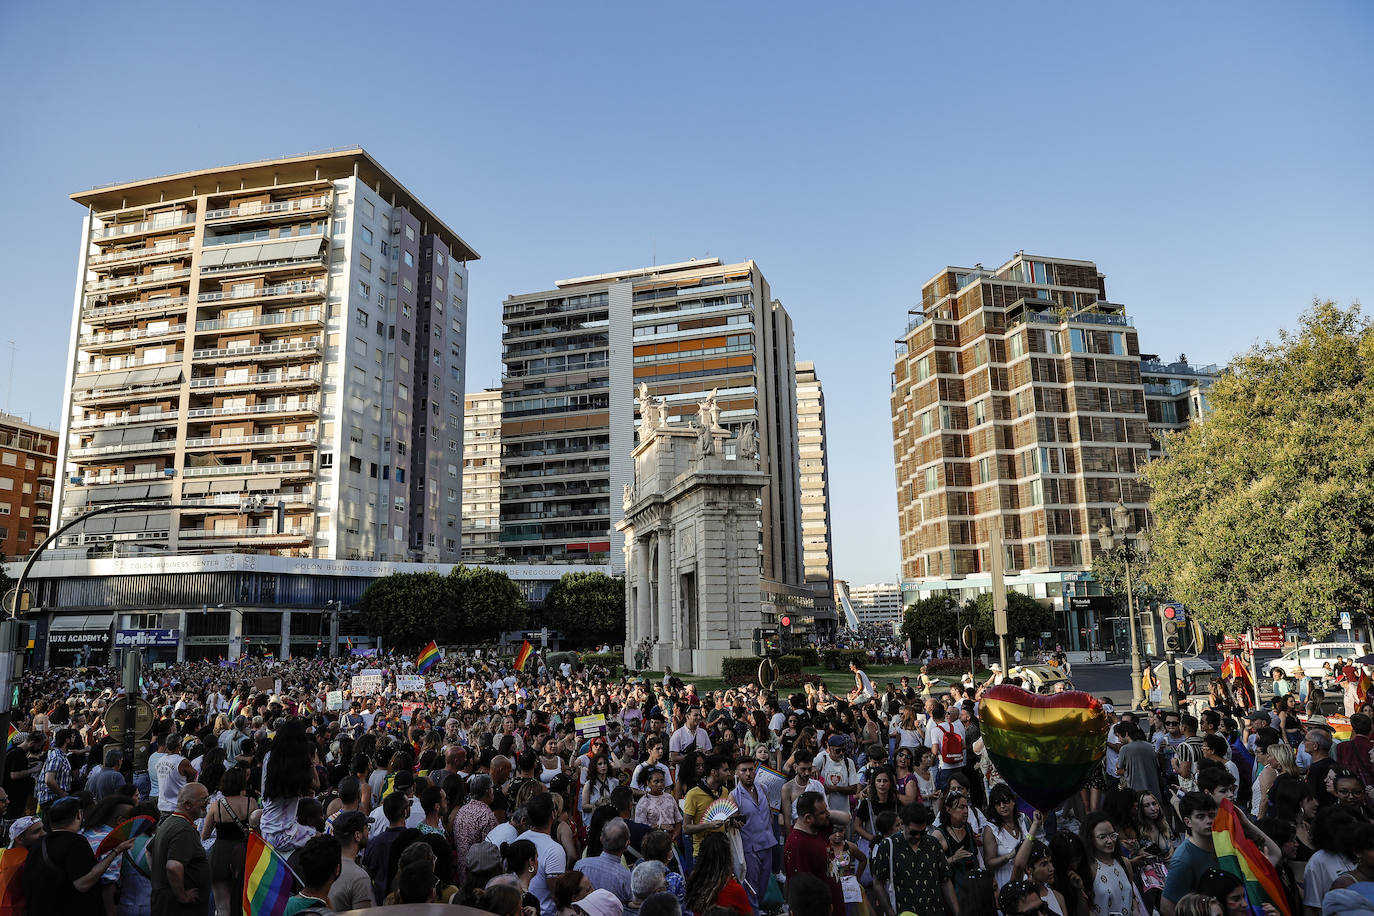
951 745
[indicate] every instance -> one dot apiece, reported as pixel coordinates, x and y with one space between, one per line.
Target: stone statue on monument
651 412
748 445
708 412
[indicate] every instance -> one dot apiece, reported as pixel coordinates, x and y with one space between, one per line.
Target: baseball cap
484 856
1108 708
600 903
837 741
24 823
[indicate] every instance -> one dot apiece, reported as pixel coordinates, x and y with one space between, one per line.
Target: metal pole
1137 695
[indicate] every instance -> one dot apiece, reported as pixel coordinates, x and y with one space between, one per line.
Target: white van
1310 658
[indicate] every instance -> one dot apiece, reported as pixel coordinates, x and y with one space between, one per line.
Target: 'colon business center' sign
144 639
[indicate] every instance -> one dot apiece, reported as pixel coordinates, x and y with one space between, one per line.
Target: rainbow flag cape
267 879
12 879
1239 856
428 656
526 650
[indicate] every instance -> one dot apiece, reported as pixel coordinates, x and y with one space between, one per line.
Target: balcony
303 288
309 405
302 497
294 316
100 480
160 250
256 439
115 338
125 419
162 304
260 211
275 378
124 448
126 364
154 279
157 224
122 385
239 353
235 534
264 467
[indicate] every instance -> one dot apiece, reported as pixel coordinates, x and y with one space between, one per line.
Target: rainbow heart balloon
1045 747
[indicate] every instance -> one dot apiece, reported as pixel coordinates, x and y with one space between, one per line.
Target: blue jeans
942 776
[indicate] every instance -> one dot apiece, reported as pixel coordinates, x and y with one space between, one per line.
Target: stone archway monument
691 531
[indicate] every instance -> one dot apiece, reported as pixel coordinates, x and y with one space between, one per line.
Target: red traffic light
786 621
1170 612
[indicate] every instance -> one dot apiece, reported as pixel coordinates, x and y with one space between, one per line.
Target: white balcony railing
310 405
100 480
303 497
281 289
262 378
101 365
259 209
125 419
133 254
165 302
166 276
157 224
283 346
124 448
256 439
123 335
266 467
254 531
294 316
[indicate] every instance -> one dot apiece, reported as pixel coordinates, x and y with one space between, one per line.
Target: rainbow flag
428 656
350 643
127 830
1239 856
526 650
14 734
267 879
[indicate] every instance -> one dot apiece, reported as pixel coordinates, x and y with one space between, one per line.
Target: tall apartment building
574 356
1017 402
482 476
818 559
877 605
1175 395
28 456
292 329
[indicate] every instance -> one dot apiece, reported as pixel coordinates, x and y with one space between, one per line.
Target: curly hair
710 873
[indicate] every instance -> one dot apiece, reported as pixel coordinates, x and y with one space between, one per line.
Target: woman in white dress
1034 863
1002 836
1113 885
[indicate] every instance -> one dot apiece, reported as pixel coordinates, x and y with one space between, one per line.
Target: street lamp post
1108 537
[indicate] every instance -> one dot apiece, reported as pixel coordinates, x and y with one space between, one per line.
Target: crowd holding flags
526 650
429 655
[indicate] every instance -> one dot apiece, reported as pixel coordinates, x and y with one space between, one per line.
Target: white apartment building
482 476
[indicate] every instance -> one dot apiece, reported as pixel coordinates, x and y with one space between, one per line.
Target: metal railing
256 439
121 448
285 346
152 225
123 477
235 533
268 467
295 316
310 405
281 289
133 254
101 338
131 363
261 378
273 264
96 286
284 206
165 302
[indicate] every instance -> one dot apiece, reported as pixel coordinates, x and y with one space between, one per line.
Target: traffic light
786 623
1172 623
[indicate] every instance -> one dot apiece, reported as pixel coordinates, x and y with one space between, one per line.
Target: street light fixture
1120 530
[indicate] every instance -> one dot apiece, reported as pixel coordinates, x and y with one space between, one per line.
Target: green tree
587 608
1025 616
1264 511
930 621
1109 569
407 610
486 603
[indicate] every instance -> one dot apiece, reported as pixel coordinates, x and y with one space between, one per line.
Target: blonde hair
1285 758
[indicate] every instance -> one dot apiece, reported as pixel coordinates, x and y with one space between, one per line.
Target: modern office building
482 476
818 558
574 356
1017 407
1175 395
877 605
28 455
292 330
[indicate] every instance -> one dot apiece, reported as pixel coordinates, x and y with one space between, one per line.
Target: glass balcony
157 224
140 280
256 439
161 249
125 419
265 467
124 448
261 379
124 335
141 305
303 288
294 316
100 480
309 405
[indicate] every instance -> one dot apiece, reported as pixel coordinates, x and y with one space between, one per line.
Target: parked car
1310 658
1040 678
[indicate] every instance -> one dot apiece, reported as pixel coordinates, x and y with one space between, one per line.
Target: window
410 233
362 317
1016 345
923 367
10 459
405 336
401 472
340 226
984 470
359 346
1118 343
405 310
1037 492
980 412
927 422
1078 341
407 256
946 418
365 263
367 240
326 459
369 210
402 365
453 445
1052 342
355 464
932 479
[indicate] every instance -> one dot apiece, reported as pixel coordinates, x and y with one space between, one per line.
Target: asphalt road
1109 683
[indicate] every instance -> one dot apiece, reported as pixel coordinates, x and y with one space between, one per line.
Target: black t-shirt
50 873
19 789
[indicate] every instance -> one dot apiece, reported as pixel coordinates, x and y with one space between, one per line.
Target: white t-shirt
169 781
553 861
1320 873
836 774
502 833
664 768
682 739
415 818
935 734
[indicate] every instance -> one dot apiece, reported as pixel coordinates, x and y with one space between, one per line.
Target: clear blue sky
1214 159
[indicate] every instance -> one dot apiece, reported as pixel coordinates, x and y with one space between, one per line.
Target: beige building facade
482 476
818 559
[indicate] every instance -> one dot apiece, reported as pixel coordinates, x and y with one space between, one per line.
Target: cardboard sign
440 688
408 709
590 726
366 683
371 672
333 699
264 684
415 682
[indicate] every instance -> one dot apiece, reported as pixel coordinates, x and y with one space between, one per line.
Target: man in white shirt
553 861
173 772
838 773
691 735
405 784
946 738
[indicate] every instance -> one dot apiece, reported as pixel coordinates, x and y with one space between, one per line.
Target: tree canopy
1025 616
470 604
1264 510
931 621
587 607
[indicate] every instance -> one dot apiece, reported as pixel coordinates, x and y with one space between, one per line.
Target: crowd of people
557 791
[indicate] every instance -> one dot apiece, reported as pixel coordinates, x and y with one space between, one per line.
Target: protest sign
366 683
333 699
415 682
590 726
440 688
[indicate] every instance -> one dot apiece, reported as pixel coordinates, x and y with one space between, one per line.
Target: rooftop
326 165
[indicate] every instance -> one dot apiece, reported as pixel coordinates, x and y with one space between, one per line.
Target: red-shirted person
808 845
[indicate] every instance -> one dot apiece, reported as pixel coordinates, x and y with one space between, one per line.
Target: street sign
1092 602
116 718
1268 637
969 637
1345 620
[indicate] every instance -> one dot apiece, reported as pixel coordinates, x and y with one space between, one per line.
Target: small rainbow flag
526 650
350 643
428 656
14 735
1239 856
267 879
126 830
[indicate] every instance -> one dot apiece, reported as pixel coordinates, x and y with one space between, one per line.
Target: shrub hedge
744 669
608 660
838 659
810 658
